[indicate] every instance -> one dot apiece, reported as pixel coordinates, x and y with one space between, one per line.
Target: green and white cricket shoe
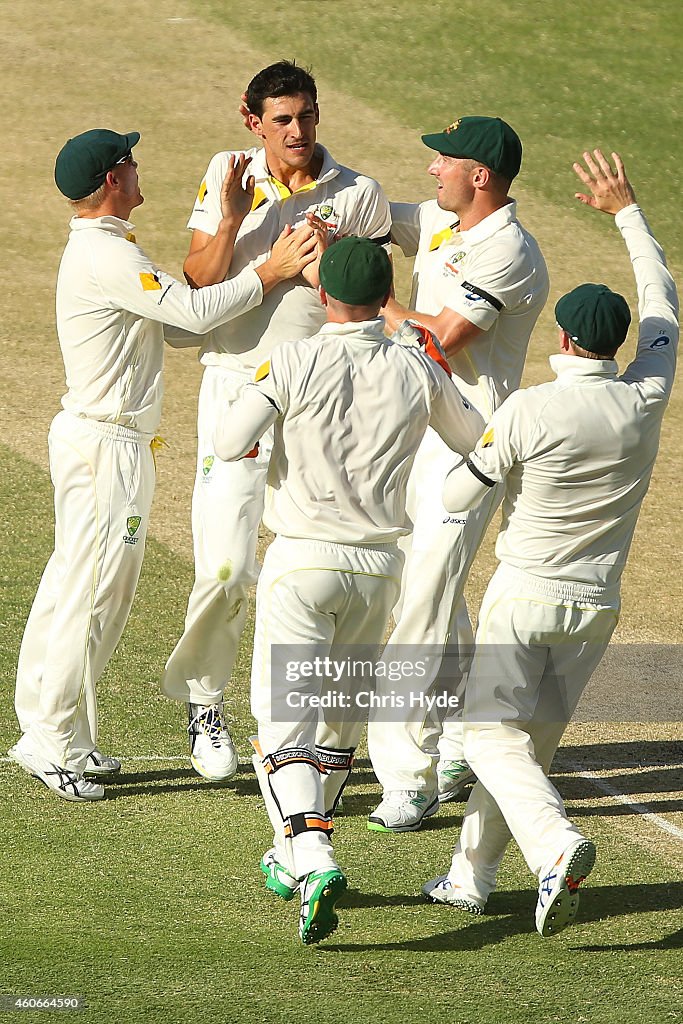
402 810
278 878
442 890
452 778
558 890
320 891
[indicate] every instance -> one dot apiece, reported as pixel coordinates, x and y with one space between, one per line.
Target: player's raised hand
237 195
244 112
610 189
293 251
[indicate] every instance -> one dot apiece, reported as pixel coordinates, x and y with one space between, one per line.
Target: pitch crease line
611 791
642 809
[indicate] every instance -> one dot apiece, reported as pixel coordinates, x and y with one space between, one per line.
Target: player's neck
483 206
294 177
111 207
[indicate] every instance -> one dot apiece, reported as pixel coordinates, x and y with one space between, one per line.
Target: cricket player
479 283
294 177
112 305
576 456
350 408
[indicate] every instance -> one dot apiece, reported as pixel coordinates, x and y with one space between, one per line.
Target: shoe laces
209 720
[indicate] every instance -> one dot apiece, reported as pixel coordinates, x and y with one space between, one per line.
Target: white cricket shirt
350 203
112 303
350 408
494 275
577 453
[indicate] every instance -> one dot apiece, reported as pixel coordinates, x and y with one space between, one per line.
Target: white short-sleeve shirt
493 274
349 202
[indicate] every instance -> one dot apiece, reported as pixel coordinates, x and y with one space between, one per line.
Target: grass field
150 904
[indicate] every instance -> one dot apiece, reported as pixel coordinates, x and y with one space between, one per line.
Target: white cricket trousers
315 599
538 643
227 505
431 614
103 477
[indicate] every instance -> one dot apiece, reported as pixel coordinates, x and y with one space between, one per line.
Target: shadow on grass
631 754
174 780
657 780
512 913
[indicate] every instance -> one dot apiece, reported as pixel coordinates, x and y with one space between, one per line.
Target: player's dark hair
285 78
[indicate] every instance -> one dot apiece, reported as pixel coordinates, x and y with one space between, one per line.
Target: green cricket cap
82 162
356 271
489 140
594 317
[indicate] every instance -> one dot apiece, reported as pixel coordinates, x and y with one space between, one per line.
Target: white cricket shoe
99 764
212 751
67 785
452 778
558 890
442 890
402 810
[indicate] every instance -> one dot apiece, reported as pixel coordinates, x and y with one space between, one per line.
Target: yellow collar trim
442 236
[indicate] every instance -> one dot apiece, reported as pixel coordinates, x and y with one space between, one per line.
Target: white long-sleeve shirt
350 408
112 305
577 453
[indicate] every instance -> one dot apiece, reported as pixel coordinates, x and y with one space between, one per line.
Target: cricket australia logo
450 267
207 464
326 212
132 526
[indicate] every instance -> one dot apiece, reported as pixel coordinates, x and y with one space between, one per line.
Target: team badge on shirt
201 195
262 372
487 438
207 463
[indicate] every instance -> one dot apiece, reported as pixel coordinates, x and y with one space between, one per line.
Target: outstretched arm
611 192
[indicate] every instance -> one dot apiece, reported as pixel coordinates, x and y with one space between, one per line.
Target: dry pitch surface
69 66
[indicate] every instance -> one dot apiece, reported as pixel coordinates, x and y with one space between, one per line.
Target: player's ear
322 295
565 340
481 177
317 113
255 125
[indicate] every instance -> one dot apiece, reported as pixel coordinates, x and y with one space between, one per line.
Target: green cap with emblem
489 140
356 271
83 162
594 317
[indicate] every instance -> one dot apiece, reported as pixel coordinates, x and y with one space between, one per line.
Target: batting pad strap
308 821
289 756
334 760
